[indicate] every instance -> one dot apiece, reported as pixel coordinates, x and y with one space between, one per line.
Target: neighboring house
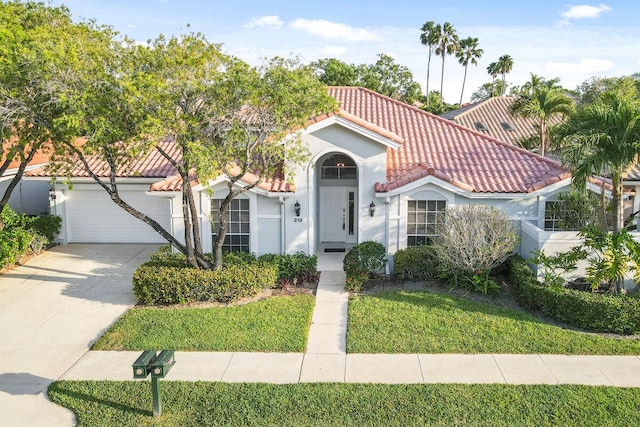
28 197
493 117
379 170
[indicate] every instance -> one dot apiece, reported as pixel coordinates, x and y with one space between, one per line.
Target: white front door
333 215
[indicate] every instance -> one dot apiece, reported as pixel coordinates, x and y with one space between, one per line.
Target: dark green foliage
187 404
618 314
416 263
294 268
158 284
23 235
363 262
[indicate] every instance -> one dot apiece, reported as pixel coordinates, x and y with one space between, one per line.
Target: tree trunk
618 209
222 230
543 137
188 241
428 69
195 224
14 181
442 79
463 82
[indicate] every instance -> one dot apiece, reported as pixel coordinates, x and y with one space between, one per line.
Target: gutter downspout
386 232
283 234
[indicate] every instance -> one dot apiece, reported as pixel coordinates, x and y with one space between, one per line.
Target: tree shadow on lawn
58 389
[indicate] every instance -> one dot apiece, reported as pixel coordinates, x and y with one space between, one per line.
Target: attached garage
90 216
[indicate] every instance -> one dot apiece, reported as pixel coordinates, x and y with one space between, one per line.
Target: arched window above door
339 166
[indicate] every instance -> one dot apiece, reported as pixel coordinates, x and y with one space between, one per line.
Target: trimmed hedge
154 283
618 314
415 263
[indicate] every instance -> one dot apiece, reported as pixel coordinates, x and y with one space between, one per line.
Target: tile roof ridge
371 126
385 97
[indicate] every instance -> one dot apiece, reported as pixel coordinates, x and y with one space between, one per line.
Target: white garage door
92 217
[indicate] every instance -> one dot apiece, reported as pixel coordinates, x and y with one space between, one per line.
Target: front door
333 214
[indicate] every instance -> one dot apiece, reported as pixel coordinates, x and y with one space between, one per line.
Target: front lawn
222 404
427 322
276 324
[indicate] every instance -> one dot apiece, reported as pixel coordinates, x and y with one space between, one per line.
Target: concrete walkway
55 306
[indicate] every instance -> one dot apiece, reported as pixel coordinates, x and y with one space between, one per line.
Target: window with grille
552 215
237 237
422 217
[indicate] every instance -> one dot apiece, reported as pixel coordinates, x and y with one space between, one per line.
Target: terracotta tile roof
153 165
42 156
492 113
436 146
274 185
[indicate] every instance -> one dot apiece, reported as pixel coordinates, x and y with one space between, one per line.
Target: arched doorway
337 199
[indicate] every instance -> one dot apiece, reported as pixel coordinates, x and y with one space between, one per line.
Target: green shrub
362 262
23 235
416 263
158 284
618 314
293 268
47 226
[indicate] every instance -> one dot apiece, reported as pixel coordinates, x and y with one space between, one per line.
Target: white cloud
334 50
332 30
584 11
264 21
586 66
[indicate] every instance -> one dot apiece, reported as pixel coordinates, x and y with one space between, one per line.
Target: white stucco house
379 170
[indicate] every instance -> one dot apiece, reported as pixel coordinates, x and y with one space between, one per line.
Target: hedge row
154 283
618 314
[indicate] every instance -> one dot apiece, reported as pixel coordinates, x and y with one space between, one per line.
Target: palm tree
505 65
536 82
493 70
542 105
429 37
447 45
605 140
468 52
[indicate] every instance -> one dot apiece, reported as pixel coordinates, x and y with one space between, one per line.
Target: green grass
276 324
426 322
221 404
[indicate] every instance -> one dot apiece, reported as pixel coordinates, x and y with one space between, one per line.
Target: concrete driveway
51 310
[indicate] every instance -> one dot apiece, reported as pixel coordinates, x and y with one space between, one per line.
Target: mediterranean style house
379 170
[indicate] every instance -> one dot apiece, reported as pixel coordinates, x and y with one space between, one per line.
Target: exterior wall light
52 193
296 208
372 209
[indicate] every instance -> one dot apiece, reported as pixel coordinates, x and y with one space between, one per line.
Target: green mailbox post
158 365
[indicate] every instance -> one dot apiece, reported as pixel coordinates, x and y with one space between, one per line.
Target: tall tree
429 37
493 70
605 141
544 104
505 65
40 56
255 109
448 44
537 82
468 53
334 72
390 78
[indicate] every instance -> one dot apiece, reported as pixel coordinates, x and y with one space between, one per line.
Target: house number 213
297 219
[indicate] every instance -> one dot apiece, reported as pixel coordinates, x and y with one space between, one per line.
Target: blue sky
571 41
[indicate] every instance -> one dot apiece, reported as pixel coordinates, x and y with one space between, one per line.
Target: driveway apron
52 309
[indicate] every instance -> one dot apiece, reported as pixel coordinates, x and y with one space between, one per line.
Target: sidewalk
287 368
